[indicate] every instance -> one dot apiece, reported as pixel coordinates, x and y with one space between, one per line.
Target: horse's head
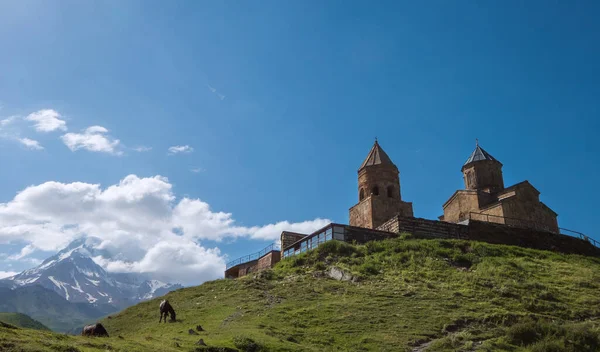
173 315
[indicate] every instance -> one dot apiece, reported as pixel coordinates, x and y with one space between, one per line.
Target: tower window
390 191
361 194
375 191
470 178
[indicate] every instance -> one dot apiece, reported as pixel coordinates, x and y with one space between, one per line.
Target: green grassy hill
396 295
22 321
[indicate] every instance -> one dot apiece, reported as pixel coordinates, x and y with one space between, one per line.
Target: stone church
484 211
484 198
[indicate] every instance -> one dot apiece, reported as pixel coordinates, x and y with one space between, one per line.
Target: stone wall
495 212
265 262
375 210
423 228
289 238
491 233
458 207
360 214
240 269
268 260
526 205
362 235
384 208
502 234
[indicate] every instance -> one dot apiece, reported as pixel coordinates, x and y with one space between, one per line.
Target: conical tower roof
479 155
376 157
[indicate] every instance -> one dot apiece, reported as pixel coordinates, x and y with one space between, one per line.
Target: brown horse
94 330
165 308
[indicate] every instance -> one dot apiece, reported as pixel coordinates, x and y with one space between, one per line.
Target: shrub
583 337
369 269
246 344
524 333
320 266
547 296
547 346
338 248
375 247
463 260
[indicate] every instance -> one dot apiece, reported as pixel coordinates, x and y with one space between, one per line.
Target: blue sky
279 103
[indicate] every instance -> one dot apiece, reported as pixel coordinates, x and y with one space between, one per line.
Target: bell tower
482 172
379 196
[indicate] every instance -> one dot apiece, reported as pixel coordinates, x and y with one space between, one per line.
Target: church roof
376 157
479 154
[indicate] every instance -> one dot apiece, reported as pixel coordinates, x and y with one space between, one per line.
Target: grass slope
22 321
407 295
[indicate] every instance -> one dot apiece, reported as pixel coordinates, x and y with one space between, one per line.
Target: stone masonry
379 196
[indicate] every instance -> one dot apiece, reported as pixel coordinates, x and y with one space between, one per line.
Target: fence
253 256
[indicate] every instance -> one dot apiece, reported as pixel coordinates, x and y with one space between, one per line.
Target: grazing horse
165 308
94 330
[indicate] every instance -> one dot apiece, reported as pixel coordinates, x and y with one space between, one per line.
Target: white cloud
7 121
25 251
47 120
142 149
140 219
274 230
194 263
4 274
196 170
176 149
93 139
30 143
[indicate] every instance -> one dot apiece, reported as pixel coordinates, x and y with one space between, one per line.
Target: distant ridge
22 321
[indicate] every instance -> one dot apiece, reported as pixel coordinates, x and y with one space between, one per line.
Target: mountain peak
73 274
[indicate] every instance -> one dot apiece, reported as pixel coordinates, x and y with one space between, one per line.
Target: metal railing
253 256
582 236
528 224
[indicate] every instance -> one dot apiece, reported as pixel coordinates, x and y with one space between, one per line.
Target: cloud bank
138 220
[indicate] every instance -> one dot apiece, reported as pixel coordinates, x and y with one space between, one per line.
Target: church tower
482 172
379 197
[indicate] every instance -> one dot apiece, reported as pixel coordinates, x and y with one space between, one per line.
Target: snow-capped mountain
75 276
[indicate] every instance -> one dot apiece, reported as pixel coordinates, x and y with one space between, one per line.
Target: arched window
361 194
375 191
390 191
